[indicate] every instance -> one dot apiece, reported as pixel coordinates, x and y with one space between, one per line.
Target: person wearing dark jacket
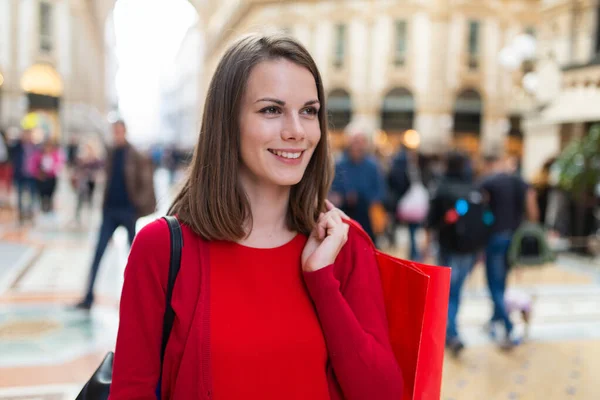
404 171
129 195
461 263
398 183
358 182
22 155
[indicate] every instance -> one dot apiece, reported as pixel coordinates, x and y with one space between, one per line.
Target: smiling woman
278 112
277 297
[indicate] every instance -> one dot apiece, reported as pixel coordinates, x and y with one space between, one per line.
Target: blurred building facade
52 62
568 95
427 65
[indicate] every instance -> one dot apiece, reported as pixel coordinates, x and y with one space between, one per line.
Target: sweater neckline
292 241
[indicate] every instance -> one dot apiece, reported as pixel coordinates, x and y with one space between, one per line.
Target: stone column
433 116
13 97
541 140
366 112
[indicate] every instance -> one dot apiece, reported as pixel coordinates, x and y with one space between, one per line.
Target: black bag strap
174 264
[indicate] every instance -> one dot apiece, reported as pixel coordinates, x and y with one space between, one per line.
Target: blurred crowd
459 210
370 185
32 163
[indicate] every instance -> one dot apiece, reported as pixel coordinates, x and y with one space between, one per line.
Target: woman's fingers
329 205
329 222
321 227
331 208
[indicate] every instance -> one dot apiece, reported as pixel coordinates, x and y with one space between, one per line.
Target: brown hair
212 202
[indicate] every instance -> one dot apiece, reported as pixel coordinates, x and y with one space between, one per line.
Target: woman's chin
286 180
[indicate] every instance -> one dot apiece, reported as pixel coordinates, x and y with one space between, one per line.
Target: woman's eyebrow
272 100
282 103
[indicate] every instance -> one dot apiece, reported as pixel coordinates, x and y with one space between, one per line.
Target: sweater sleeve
354 323
136 367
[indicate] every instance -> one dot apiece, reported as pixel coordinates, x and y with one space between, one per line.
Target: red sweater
347 297
265 338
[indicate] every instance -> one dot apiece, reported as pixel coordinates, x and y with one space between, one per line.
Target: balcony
585 75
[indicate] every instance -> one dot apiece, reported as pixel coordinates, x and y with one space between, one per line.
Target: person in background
87 166
5 171
543 188
454 185
23 152
129 195
398 183
47 164
72 148
405 171
510 200
513 164
358 182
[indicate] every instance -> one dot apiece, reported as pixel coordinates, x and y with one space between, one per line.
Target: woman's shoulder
156 234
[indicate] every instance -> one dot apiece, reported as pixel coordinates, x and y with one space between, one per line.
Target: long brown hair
212 201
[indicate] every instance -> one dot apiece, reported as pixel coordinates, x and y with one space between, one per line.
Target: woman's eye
271 110
310 111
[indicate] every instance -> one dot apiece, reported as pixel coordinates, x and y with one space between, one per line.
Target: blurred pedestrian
543 188
456 218
414 203
47 163
5 171
72 149
511 198
358 182
266 315
86 168
129 195
23 152
398 183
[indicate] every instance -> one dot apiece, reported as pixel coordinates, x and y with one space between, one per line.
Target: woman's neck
269 207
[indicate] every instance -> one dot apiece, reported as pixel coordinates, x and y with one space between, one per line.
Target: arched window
339 109
398 110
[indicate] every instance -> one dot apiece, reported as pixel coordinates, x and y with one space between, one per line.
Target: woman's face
279 123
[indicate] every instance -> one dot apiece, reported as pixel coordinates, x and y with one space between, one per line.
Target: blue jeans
26 185
412 236
496 268
111 220
461 265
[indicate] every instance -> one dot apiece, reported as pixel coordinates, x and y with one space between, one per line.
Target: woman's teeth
286 154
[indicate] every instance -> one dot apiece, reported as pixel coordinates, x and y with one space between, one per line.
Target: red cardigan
347 296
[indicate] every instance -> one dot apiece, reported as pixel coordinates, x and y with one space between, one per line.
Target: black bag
467 222
98 387
529 247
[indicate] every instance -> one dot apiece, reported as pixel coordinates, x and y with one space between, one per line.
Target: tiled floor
537 370
47 350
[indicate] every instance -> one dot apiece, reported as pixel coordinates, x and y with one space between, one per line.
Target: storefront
43 88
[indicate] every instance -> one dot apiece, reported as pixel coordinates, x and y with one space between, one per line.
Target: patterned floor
47 350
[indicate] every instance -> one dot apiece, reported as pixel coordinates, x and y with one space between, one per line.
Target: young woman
276 297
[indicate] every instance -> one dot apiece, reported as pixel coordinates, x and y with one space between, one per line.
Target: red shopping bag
416 300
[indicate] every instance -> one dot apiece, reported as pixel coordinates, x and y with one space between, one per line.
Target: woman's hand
326 240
